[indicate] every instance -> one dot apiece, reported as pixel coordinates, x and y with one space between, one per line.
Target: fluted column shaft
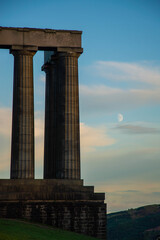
62 160
68 117
22 149
50 144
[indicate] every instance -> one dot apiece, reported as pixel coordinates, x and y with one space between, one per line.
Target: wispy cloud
124 195
5 122
39 124
92 137
121 166
102 98
118 201
137 129
139 85
39 139
131 191
5 141
156 194
124 71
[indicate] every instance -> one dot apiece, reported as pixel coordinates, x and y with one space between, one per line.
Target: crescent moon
120 117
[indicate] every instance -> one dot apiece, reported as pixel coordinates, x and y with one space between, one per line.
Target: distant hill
19 230
135 224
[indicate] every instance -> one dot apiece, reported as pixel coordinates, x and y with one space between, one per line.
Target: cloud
124 71
5 122
93 137
5 141
118 201
104 99
39 124
135 129
156 193
123 195
39 141
131 191
122 166
139 86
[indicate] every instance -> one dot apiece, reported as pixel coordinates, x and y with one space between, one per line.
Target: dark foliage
133 224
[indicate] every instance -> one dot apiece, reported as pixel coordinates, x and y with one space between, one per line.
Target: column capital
66 52
23 50
46 66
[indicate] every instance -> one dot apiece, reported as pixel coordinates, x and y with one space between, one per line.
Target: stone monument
60 199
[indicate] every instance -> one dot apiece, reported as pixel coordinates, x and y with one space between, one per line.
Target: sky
119 84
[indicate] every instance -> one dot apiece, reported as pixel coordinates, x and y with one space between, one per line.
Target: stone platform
66 204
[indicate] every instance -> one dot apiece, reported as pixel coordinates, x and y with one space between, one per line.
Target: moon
120 117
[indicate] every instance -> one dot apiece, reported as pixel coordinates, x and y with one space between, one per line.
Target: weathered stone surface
62 138
44 39
22 153
81 217
47 189
65 204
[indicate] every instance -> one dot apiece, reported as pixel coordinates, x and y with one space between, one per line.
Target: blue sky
119 73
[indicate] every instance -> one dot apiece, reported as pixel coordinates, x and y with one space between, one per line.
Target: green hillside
135 224
17 230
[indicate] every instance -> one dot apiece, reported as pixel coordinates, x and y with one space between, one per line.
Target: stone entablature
43 39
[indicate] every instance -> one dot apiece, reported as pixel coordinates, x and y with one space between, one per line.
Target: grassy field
17 230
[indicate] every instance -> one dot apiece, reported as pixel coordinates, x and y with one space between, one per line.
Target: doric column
22 148
68 117
50 144
62 152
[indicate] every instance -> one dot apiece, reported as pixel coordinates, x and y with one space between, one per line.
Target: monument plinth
60 199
